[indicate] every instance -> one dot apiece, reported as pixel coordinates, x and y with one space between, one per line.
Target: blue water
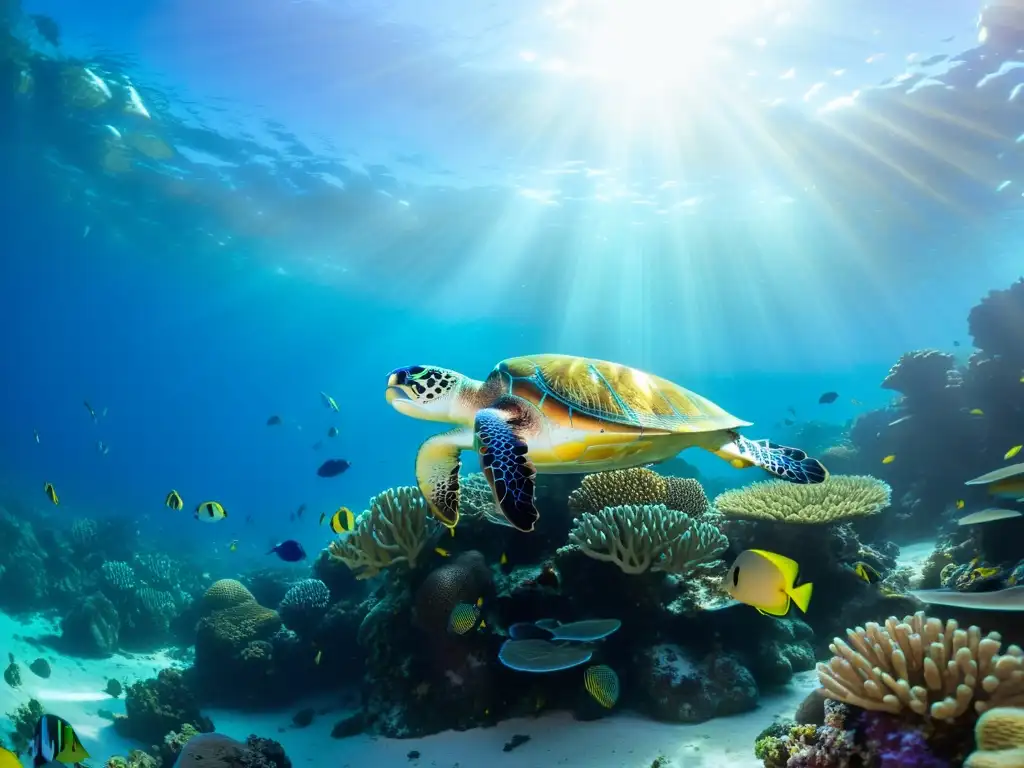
356 188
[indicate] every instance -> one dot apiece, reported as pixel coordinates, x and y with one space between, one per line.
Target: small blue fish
290 551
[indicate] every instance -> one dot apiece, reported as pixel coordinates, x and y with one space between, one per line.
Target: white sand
914 556
75 691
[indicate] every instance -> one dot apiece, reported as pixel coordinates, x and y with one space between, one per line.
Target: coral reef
158 706
839 498
638 486
999 736
924 666
395 529
637 538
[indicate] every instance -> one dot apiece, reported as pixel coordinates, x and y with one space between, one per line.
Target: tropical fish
602 683
329 402
465 617
767 582
332 432
866 572
91 410
983 573
300 510
342 520
35 434
976 412
174 501
290 551
791 409
889 459
51 494
960 503
273 421
955 342
788 422
1012 452
319 655
442 552
503 561
900 420
333 468
102 448
1006 482
828 397
233 546
8 759
55 739
210 512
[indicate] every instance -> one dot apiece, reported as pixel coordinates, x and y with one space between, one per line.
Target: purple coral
896 744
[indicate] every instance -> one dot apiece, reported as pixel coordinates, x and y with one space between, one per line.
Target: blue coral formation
305 605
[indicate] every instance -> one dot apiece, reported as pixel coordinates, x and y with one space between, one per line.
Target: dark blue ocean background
191 342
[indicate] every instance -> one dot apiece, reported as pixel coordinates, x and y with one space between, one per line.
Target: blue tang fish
290 551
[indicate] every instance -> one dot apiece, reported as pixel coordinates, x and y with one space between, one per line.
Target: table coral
840 497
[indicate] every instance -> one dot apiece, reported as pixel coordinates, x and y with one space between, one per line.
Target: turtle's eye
416 371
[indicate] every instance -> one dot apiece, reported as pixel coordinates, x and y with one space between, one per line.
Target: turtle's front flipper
437 472
504 460
785 463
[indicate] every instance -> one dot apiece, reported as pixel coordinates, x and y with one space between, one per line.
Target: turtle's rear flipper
505 463
790 464
437 472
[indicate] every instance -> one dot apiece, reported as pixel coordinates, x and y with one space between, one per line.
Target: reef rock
675 688
158 706
91 628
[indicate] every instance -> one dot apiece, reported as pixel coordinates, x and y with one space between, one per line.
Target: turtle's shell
563 386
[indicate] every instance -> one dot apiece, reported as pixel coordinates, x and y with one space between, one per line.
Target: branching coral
394 529
841 497
925 667
638 538
618 487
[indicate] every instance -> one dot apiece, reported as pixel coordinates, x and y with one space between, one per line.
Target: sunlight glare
651 44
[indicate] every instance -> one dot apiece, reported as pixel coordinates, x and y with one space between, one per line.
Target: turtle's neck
475 395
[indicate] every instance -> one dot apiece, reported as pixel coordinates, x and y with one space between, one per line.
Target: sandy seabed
74 691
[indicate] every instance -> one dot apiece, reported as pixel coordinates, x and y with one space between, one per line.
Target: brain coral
999 735
226 593
463 580
635 486
686 495
841 497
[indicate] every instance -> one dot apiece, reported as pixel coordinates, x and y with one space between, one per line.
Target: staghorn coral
841 497
637 486
638 538
226 593
923 666
999 735
686 494
393 530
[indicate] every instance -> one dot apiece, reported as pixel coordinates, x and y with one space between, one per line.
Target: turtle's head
427 392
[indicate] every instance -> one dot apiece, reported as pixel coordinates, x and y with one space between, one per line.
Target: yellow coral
999 736
394 529
619 487
242 623
840 497
225 594
921 665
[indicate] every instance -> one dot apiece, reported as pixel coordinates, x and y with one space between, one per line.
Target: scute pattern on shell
615 393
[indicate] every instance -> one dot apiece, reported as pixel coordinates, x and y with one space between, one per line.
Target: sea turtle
560 414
